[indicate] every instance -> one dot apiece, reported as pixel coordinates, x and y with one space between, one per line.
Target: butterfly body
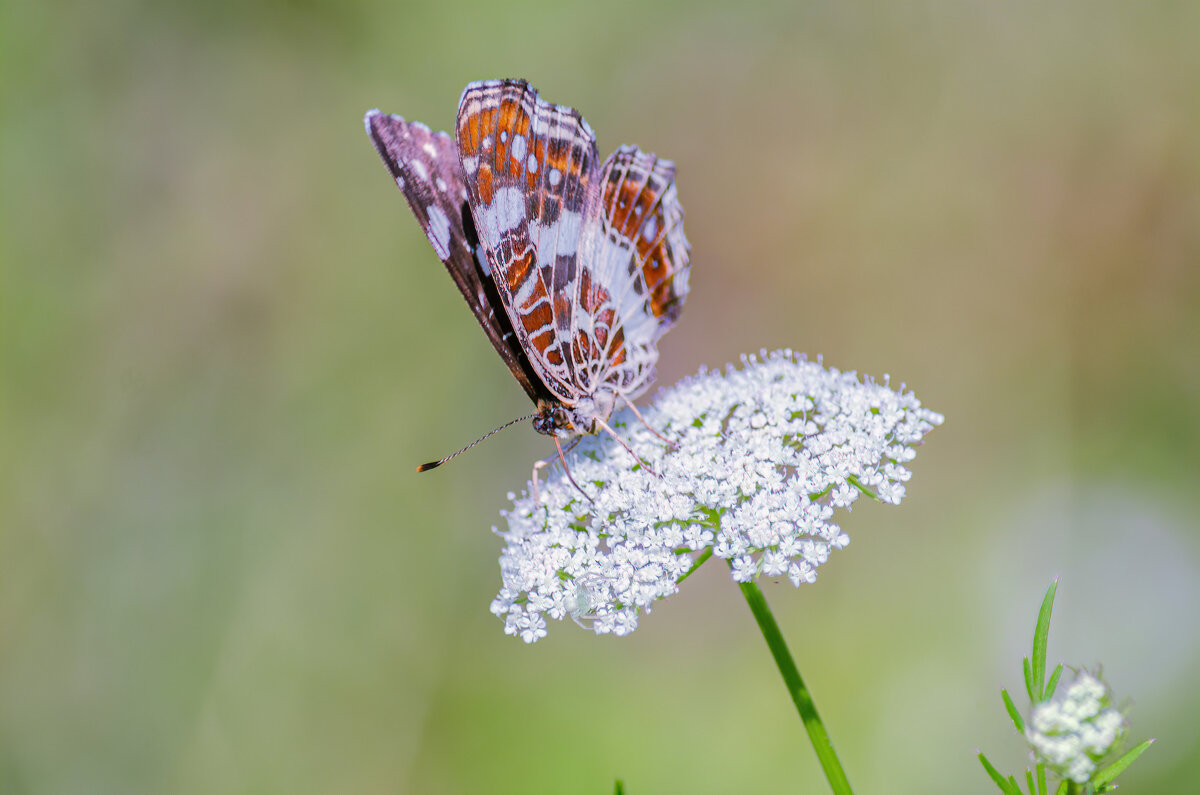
572 266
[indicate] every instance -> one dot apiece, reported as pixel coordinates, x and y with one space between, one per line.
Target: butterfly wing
640 265
530 170
425 166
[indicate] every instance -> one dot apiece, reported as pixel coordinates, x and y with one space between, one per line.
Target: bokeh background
226 344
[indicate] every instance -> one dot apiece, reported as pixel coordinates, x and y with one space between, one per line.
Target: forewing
425 166
638 276
531 173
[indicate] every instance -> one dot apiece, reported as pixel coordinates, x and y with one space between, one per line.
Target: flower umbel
1072 732
765 454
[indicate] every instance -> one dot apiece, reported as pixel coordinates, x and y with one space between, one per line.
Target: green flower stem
795 685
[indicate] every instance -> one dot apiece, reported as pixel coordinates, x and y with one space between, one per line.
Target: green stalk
795 685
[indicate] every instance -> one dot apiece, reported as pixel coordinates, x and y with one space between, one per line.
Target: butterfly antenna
435 464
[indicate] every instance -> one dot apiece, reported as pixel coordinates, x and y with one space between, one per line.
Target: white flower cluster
1076 729
764 455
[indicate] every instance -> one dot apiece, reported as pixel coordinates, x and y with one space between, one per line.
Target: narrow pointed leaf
1013 713
1029 781
1116 768
1041 779
997 777
1028 679
1052 685
1040 637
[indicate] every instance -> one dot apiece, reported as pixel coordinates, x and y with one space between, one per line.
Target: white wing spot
481 256
469 164
419 167
441 183
439 227
524 293
487 143
555 177
532 164
428 147
509 206
400 183
565 230
503 136
680 282
518 147
650 228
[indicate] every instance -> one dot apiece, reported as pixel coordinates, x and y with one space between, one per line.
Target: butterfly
573 267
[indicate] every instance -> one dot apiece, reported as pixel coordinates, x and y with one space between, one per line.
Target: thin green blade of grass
1041 637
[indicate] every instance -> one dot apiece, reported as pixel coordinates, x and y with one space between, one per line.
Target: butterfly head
583 417
554 420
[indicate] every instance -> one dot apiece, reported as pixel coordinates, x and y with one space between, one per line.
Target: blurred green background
226 343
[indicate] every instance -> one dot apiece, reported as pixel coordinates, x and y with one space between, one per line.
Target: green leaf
1041 778
1116 768
1052 685
1006 785
1017 720
1040 636
1028 679
619 788
1029 781
1064 787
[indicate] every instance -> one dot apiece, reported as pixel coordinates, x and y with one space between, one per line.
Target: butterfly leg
567 469
542 462
672 444
625 444
561 456
538 465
